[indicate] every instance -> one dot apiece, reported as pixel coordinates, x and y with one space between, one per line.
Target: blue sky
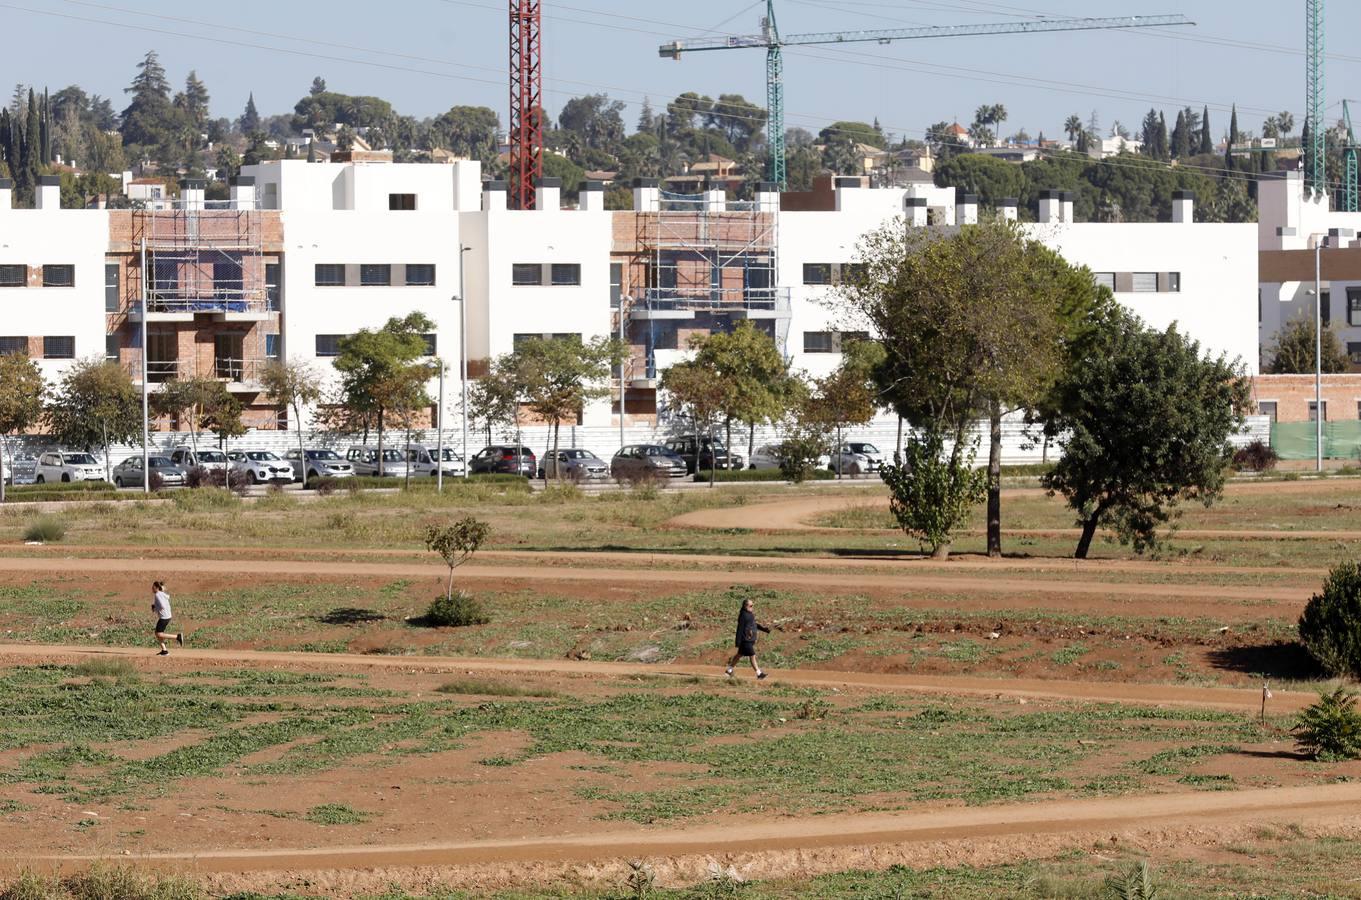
427 55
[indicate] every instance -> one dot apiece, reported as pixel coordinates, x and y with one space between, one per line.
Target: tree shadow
1279 659
350 615
1275 754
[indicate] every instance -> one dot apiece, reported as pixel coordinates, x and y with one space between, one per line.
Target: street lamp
463 353
1320 239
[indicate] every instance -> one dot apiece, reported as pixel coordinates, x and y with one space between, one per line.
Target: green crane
1351 202
1315 148
773 42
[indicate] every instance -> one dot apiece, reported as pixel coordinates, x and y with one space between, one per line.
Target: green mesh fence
1296 440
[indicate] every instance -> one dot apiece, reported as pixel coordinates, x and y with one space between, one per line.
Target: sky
428 55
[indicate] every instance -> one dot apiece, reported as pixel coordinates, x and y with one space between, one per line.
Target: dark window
1325 312
817 273
328 344
13 345
430 344
1174 282
59 276
1145 283
1354 351
566 274
13 276
164 276
112 273
616 284
59 347
330 275
526 273
273 290
819 342
1353 306
1313 411
375 275
1267 408
851 337
111 344
228 282
271 346
402 202
420 274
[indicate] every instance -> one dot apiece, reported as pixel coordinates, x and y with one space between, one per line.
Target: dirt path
1171 695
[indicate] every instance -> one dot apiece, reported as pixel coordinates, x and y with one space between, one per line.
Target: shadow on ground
1279 659
350 615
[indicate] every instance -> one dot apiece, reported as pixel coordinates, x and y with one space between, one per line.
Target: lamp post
623 363
463 353
1320 239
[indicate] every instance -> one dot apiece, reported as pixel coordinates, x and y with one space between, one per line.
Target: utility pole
146 430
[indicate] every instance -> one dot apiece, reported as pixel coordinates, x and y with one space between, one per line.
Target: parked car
577 465
64 465
421 461
260 466
188 458
128 473
504 459
858 458
767 456
647 461
20 468
711 451
318 464
365 461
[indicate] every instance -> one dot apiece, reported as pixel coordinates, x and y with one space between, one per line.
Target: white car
422 461
365 461
187 458
858 458
64 465
260 466
768 457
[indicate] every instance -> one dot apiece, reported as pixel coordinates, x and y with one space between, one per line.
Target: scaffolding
205 257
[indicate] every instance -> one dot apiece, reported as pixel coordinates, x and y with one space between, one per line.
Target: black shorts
162 625
746 649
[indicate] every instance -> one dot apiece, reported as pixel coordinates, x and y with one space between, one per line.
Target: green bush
1330 627
45 529
456 611
1135 884
1331 728
799 454
54 487
760 475
931 492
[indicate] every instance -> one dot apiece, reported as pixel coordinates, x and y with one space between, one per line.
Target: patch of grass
1070 654
45 530
336 814
113 667
482 688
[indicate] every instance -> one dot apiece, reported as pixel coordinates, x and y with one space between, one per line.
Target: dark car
646 462
711 450
504 459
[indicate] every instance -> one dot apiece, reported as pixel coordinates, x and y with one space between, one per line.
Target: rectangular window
375 275
1354 351
59 347
112 273
228 281
273 290
1313 411
431 343
817 273
566 274
59 276
13 344
1145 283
13 276
420 274
1174 282
164 276
330 275
1267 408
819 342
1354 306
271 346
851 337
111 344
402 202
1325 311
524 274
616 284
1105 280
328 344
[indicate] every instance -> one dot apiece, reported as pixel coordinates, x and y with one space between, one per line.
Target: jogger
747 628
160 605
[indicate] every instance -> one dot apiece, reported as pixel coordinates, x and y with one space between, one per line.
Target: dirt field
315 738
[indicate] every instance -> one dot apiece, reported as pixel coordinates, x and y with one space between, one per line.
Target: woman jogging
160 605
747 627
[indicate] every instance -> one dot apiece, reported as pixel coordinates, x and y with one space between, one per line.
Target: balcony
225 308
239 375
684 303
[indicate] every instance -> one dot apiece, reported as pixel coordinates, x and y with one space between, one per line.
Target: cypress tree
1163 146
1180 139
7 155
1233 139
1206 143
45 118
250 119
32 165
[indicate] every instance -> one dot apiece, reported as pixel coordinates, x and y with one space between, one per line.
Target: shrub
1331 728
196 477
456 610
931 492
45 530
155 481
29 885
324 487
207 498
1255 457
561 493
1135 884
1330 627
799 454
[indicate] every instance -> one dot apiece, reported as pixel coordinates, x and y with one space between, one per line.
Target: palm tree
1073 125
1285 121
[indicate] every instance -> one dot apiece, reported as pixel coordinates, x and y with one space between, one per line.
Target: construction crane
526 101
773 42
1351 202
1315 149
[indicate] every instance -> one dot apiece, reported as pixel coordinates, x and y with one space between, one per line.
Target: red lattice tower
526 107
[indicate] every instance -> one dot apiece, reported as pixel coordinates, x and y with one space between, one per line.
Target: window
1267 408
1174 282
853 272
430 344
819 342
1354 351
13 276
1313 411
59 276
526 274
616 284
817 273
375 275
272 287
328 344
1354 306
420 274
402 202
111 343
271 346
1145 283
228 281
330 275
13 345
1325 311
566 274
164 276
112 302
59 347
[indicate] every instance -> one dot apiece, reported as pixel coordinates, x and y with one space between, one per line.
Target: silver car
647 461
421 461
65 465
768 457
318 464
577 465
128 473
858 458
365 461
260 466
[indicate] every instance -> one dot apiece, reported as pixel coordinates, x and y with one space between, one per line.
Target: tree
466 131
847 396
749 364
931 492
294 385
249 122
559 376
194 101
148 122
456 543
1293 351
597 119
1330 627
681 112
1234 137
96 406
1144 420
494 399
21 401
988 178
318 86
1072 126
1206 140
1285 121
694 391
222 415
195 401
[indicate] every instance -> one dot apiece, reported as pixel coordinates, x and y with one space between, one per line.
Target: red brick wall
1294 393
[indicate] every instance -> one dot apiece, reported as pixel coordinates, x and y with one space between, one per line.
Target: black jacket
747 626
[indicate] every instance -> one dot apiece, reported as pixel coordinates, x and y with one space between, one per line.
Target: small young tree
847 396
747 361
222 415
21 401
1293 351
296 386
931 492
456 543
96 406
1330 627
188 399
559 376
494 399
695 391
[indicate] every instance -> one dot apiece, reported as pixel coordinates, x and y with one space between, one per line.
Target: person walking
747 628
160 605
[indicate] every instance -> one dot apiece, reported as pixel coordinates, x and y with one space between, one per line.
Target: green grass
336 814
492 689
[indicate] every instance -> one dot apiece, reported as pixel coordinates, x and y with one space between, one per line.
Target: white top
161 605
